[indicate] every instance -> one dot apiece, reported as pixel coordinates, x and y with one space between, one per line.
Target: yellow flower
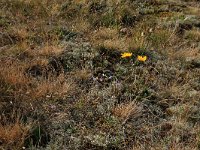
124 55
142 58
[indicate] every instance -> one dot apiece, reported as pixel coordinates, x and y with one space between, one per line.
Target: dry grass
110 38
12 72
125 111
13 136
193 35
53 72
193 10
49 50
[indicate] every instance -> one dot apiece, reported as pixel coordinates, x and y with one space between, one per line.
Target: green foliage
38 137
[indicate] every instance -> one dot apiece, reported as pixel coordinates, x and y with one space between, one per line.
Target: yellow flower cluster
139 57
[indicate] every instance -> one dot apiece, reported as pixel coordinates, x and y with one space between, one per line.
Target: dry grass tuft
51 88
12 72
127 110
110 38
187 53
49 50
13 136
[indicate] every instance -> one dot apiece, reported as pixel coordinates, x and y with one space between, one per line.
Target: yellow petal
124 55
141 58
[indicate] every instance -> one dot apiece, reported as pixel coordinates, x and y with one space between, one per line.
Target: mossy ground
64 85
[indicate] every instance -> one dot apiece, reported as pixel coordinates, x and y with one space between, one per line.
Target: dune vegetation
100 74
